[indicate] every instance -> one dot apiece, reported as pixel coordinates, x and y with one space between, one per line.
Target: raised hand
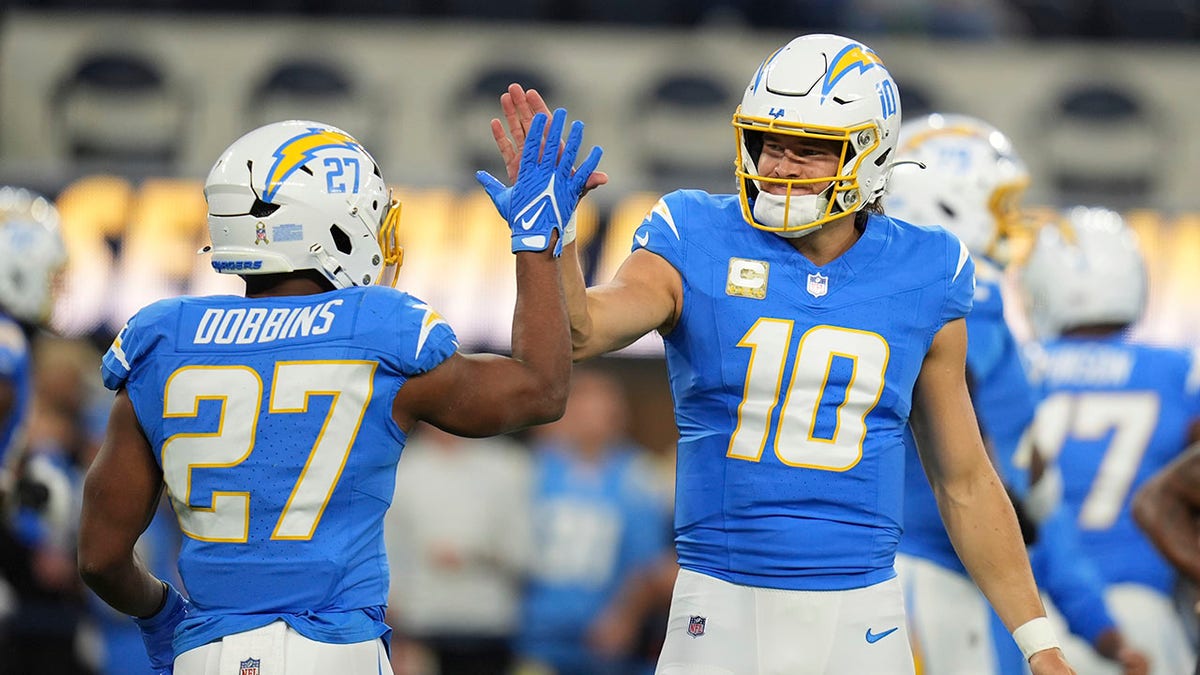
519 106
547 187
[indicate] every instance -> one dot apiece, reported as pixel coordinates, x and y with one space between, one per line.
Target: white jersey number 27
239 389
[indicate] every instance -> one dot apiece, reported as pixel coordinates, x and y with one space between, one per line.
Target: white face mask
770 210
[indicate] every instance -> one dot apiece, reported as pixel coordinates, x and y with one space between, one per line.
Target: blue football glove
547 189
158 630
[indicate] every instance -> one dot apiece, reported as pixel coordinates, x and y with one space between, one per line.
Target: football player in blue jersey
810 340
1114 411
964 174
276 420
32 252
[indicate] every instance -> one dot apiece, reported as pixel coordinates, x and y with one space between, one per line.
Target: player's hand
1050 662
1133 662
158 630
547 188
519 106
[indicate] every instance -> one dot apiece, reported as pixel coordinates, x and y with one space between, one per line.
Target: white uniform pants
277 649
719 628
949 621
1149 621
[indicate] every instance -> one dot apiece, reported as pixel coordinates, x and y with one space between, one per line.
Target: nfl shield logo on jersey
249 667
696 625
818 284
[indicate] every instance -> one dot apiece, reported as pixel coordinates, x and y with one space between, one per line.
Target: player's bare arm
121 493
645 294
485 394
1166 508
974 506
478 396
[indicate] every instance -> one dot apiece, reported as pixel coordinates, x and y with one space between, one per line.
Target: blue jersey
594 525
1004 403
14 368
793 386
272 421
1114 413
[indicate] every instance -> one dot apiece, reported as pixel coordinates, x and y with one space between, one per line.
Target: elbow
93 570
99 565
550 403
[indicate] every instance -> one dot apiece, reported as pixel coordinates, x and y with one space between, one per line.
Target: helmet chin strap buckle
331 267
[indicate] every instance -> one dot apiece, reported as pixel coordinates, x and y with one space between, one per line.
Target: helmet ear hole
262 209
341 240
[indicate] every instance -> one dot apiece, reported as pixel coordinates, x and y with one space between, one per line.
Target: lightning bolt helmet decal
296 151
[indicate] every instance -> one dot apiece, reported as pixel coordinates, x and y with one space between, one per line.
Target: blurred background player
1167 507
598 523
1113 413
40 598
276 419
816 129
963 174
460 546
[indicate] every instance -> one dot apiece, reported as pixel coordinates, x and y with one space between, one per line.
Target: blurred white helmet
300 195
1087 271
972 182
32 253
823 87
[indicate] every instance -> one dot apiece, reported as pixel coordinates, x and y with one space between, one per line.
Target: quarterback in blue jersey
276 420
964 174
1113 412
810 340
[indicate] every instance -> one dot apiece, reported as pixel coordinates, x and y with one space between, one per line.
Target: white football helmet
32 253
1085 271
823 87
972 182
300 195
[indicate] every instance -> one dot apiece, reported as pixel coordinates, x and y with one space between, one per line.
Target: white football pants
719 628
277 649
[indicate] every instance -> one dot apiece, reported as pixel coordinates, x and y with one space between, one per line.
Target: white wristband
1034 636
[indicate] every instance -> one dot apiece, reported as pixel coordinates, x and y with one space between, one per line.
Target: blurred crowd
966 19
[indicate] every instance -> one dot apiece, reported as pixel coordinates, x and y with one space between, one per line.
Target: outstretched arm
646 294
485 395
974 506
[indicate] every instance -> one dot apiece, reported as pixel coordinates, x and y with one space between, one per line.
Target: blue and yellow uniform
1114 412
15 369
272 421
793 386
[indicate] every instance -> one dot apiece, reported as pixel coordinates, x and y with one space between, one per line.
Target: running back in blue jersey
15 368
1114 413
272 421
1004 404
793 386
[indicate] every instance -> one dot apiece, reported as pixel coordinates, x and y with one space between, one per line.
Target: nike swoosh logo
872 638
528 222
642 239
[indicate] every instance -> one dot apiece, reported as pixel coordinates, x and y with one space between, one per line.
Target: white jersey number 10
797 442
